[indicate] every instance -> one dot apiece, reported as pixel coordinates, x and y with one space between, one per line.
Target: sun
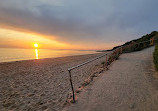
36 45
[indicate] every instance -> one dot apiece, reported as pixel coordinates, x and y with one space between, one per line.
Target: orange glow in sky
18 39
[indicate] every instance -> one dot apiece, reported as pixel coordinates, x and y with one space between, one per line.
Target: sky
75 24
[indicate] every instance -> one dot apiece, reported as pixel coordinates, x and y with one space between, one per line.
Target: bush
103 63
155 56
134 45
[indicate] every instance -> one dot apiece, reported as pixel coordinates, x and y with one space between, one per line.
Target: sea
18 54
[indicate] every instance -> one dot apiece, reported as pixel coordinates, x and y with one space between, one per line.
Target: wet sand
38 85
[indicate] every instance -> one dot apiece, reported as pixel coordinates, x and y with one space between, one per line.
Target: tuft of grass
103 63
155 56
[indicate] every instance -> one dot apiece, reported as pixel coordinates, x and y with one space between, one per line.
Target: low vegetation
134 46
155 55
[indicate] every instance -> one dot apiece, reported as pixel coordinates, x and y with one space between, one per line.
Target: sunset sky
75 24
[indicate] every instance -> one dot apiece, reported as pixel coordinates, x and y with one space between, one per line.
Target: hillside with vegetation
142 43
155 56
136 45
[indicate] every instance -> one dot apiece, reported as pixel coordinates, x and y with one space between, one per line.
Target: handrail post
152 41
106 60
73 94
121 50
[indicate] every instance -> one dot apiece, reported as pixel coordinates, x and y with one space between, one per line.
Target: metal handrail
79 65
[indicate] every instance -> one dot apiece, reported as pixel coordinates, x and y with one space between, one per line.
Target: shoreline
44 83
50 58
10 55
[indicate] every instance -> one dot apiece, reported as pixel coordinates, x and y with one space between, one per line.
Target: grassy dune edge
155 56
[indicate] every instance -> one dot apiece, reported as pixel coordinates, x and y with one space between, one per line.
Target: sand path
128 85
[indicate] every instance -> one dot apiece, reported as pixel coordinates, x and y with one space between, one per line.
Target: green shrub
103 63
116 57
134 45
155 56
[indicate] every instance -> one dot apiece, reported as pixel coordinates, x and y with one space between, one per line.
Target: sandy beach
38 85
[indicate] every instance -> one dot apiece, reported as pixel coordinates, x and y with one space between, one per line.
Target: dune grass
155 55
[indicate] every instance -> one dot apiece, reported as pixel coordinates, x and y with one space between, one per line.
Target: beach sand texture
37 85
129 85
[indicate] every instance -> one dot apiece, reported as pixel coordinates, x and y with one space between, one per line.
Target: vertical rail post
73 94
152 41
121 50
106 60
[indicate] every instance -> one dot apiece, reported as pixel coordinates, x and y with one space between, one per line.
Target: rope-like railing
116 51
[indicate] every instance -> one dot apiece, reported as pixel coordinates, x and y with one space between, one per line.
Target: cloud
82 21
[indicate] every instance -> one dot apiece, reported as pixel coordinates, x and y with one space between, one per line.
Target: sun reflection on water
36 53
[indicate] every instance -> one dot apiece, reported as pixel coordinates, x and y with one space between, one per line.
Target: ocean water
15 54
